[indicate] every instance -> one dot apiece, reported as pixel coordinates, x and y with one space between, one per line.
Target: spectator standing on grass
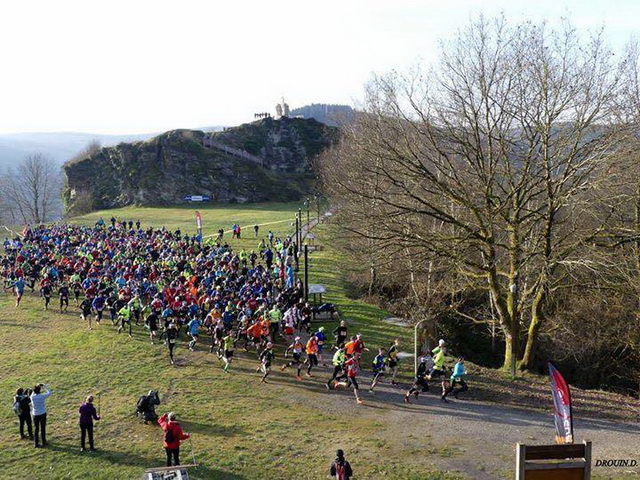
21 406
39 413
173 435
87 415
340 468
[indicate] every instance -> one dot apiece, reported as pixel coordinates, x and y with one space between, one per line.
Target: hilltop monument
282 109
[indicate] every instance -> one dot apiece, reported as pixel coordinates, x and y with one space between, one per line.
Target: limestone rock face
285 145
267 160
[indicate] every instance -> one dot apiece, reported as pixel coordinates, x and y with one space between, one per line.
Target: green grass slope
277 217
241 429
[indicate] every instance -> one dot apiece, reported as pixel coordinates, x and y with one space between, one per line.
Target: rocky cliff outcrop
267 160
285 145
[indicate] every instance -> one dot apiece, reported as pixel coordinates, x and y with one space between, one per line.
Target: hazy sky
143 66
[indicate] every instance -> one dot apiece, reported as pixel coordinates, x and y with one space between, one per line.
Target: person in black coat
24 411
340 468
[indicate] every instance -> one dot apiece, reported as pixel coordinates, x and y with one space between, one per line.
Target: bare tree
492 165
33 188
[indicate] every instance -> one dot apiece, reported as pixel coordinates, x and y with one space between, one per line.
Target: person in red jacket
173 434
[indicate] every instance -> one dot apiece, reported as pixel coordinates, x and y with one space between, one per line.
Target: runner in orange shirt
312 354
351 347
254 332
265 325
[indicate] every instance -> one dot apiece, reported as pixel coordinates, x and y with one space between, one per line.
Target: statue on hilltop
282 109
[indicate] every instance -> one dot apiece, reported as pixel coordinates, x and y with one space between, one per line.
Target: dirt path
481 437
475 438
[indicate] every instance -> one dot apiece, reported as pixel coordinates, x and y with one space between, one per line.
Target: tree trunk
507 313
537 317
507 351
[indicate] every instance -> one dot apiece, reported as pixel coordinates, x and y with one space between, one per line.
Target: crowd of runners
175 286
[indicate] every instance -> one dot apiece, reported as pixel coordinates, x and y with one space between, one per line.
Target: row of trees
508 172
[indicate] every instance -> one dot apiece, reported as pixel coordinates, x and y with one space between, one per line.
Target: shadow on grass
111 456
211 429
143 462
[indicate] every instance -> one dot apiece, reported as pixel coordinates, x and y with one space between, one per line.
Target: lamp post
306 273
307 203
296 245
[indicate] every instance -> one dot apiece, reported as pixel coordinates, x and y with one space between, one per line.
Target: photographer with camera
39 412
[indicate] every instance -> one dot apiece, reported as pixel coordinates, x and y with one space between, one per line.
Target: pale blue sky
139 66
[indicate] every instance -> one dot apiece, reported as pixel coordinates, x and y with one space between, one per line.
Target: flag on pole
562 406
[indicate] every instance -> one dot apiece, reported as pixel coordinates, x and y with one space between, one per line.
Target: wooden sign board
553 462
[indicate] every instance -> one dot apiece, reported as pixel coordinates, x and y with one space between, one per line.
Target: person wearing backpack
173 435
146 406
340 467
22 408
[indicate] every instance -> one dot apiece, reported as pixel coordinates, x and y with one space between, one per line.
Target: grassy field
241 429
277 217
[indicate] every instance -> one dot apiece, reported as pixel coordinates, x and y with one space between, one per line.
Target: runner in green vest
338 364
125 317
